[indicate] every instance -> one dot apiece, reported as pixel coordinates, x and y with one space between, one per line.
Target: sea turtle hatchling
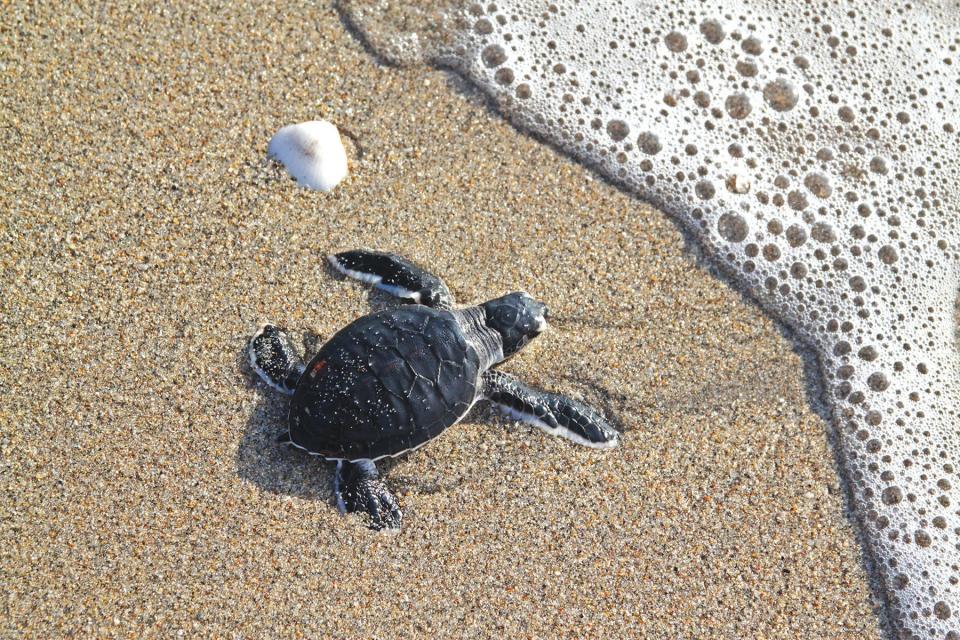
393 380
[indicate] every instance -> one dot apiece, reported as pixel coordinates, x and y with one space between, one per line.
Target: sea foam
812 149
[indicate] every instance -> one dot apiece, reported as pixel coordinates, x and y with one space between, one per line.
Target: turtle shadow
276 467
612 404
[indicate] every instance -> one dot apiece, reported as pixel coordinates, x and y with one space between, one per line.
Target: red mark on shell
317 368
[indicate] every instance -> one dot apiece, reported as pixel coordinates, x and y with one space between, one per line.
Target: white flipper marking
252 357
375 280
560 431
341 505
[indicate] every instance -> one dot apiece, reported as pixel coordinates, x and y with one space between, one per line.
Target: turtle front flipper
358 487
555 414
274 359
395 275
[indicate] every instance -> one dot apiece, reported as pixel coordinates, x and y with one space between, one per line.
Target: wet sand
145 237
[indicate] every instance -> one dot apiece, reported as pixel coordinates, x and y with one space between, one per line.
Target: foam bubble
813 153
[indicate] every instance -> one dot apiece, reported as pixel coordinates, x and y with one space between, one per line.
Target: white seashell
311 152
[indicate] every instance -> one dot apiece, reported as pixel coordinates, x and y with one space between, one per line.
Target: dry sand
143 239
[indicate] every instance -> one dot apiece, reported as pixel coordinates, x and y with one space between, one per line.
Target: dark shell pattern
385 384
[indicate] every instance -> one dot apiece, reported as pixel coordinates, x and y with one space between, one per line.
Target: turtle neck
486 341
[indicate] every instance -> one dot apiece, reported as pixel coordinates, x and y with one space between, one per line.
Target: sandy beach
145 237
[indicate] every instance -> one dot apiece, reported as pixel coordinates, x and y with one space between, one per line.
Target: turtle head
517 317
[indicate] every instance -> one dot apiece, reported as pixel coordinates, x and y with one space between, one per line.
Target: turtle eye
507 315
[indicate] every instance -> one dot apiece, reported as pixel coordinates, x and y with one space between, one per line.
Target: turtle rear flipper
274 359
557 415
358 487
395 275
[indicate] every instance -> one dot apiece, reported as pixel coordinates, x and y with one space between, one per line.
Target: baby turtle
393 380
